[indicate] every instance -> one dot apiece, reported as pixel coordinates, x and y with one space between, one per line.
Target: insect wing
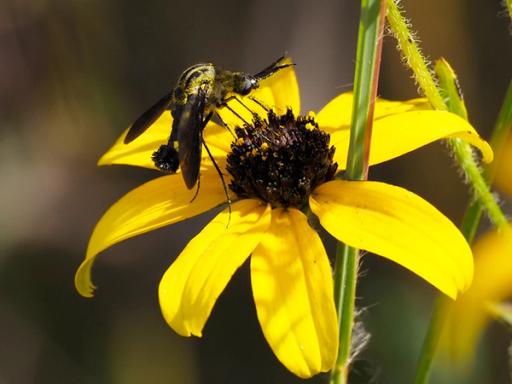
147 118
190 131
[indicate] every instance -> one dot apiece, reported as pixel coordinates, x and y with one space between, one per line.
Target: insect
200 91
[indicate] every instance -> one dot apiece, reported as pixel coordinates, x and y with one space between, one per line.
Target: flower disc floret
280 160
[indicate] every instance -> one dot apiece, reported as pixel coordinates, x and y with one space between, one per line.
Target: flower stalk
462 151
464 155
368 56
447 84
449 89
499 134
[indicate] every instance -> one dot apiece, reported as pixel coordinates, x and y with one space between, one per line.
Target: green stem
501 130
429 347
469 226
500 133
412 55
369 48
464 155
450 90
462 150
345 277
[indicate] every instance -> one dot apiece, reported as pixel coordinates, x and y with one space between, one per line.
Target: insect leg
235 113
259 103
224 185
241 103
197 189
223 123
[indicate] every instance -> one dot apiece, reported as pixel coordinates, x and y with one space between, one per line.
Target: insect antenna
224 185
272 68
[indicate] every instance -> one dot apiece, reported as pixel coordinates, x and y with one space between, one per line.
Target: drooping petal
395 135
492 283
337 114
293 291
190 287
159 202
277 92
399 127
139 151
399 225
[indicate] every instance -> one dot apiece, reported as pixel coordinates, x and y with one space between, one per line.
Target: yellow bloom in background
278 168
492 284
503 170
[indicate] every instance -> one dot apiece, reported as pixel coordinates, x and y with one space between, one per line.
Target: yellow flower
492 284
290 272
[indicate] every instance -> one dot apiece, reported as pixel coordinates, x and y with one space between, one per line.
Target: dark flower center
280 160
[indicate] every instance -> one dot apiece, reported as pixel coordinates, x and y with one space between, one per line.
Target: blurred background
75 73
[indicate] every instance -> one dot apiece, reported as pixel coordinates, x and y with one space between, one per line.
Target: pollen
280 159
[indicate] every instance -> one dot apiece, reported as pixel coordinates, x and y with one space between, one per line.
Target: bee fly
199 92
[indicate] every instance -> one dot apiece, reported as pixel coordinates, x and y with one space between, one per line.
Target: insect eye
247 84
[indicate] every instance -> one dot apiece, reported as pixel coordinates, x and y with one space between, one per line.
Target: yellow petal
192 284
218 139
278 92
285 89
337 114
157 203
395 135
139 151
492 283
399 225
293 290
